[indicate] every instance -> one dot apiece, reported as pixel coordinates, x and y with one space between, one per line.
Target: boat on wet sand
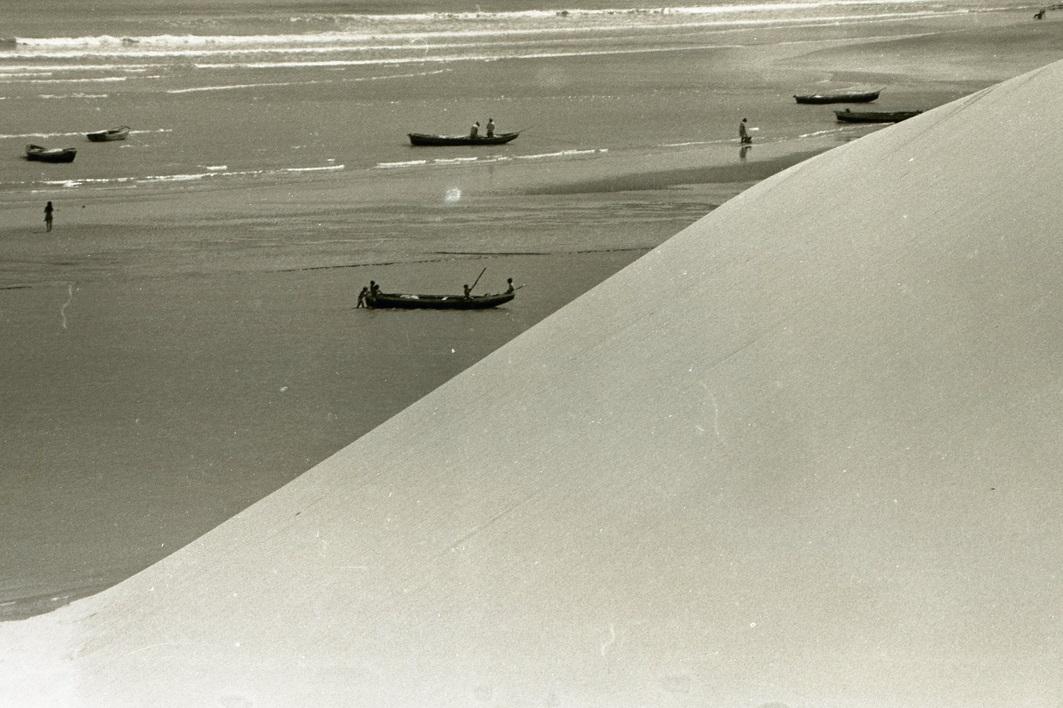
850 116
43 154
839 97
103 136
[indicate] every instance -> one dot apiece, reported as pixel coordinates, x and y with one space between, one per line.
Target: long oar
477 279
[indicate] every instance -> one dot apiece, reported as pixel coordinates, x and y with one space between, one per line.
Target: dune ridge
802 453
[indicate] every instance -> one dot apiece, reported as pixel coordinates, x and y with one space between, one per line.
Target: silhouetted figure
468 291
374 288
1040 14
490 127
475 129
362 296
48 209
743 134
509 285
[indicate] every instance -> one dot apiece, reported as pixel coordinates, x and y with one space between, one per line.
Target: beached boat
103 136
437 302
43 154
438 140
849 116
842 97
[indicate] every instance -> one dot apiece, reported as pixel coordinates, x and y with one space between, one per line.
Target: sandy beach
177 351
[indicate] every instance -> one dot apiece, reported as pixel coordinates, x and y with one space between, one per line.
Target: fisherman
468 291
362 297
374 288
490 127
743 135
509 286
475 129
48 209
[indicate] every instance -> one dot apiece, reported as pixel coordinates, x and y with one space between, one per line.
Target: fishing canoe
403 301
843 97
103 136
426 139
848 116
43 154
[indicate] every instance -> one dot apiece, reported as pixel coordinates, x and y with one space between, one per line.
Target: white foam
405 163
576 152
324 168
73 95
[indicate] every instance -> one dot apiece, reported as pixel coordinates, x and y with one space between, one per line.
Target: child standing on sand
48 209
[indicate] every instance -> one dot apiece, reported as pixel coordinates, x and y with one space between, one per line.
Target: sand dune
804 453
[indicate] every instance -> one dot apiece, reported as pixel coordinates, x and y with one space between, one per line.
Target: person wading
743 134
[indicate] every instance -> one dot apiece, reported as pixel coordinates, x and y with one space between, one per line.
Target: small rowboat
43 154
103 136
848 116
437 302
438 140
843 97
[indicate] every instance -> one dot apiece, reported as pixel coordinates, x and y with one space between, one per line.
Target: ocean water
218 93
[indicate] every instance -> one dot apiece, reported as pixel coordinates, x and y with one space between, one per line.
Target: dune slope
804 453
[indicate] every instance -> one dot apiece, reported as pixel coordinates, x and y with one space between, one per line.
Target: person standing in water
743 134
48 210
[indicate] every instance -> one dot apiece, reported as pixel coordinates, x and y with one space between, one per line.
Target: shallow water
263 92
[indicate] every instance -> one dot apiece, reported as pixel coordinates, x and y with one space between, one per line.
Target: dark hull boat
437 302
438 140
848 116
103 136
844 97
43 154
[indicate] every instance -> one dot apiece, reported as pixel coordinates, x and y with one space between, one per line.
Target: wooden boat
103 136
848 116
43 154
437 302
843 97
438 140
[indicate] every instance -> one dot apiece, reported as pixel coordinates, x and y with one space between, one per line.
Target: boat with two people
428 139
106 136
43 154
840 97
850 116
